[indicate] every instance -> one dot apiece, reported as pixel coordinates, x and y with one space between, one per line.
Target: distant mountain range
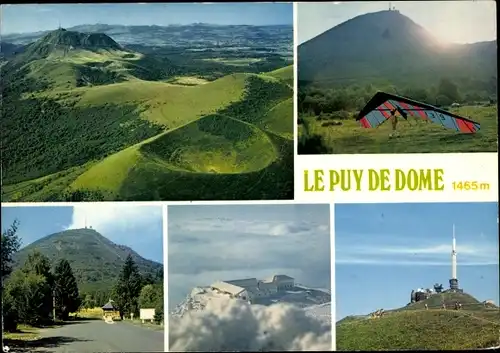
96 261
389 46
198 35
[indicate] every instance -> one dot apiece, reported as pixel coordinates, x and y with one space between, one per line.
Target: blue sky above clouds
383 251
139 227
450 21
211 242
40 17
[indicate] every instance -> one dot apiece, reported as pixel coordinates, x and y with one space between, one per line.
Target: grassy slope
187 149
414 328
416 136
276 119
210 153
285 74
167 104
61 69
259 156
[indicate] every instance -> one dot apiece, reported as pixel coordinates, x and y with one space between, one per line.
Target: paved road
97 336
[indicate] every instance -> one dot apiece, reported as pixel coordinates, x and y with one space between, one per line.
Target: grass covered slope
166 104
414 328
415 135
220 156
285 73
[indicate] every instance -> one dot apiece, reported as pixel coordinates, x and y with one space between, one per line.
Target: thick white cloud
237 326
136 226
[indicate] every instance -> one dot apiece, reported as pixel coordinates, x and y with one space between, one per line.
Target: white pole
454 257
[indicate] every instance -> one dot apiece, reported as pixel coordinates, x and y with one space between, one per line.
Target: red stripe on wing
421 112
389 106
364 122
465 126
407 108
384 112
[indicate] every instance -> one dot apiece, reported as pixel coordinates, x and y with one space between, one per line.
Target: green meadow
346 136
414 328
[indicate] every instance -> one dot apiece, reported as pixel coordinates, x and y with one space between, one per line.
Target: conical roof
109 306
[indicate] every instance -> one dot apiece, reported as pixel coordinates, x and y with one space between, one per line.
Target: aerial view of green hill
342 68
475 325
96 261
87 117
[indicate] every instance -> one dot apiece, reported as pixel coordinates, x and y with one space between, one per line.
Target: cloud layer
414 255
255 227
237 326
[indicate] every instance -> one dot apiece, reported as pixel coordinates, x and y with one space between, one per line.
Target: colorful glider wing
382 105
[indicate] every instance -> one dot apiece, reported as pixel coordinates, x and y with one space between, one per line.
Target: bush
159 314
341 115
331 123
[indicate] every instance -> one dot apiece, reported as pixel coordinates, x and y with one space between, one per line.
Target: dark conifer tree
67 297
128 288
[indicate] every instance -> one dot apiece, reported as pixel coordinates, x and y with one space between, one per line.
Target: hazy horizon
31 18
169 25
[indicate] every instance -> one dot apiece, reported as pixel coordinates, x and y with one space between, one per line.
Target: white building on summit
251 288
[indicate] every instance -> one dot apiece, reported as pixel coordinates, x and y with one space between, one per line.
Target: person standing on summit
394 121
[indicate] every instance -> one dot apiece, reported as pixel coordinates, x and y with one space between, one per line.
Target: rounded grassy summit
110 123
415 327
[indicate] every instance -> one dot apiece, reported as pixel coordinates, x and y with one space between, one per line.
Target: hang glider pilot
394 122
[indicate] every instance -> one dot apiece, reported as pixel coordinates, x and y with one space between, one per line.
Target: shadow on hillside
312 145
78 318
46 344
77 321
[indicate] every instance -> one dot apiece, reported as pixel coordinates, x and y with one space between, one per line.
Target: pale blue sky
383 251
207 243
450 21
32 18
139 227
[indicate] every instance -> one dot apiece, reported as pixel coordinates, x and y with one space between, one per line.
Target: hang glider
383 105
